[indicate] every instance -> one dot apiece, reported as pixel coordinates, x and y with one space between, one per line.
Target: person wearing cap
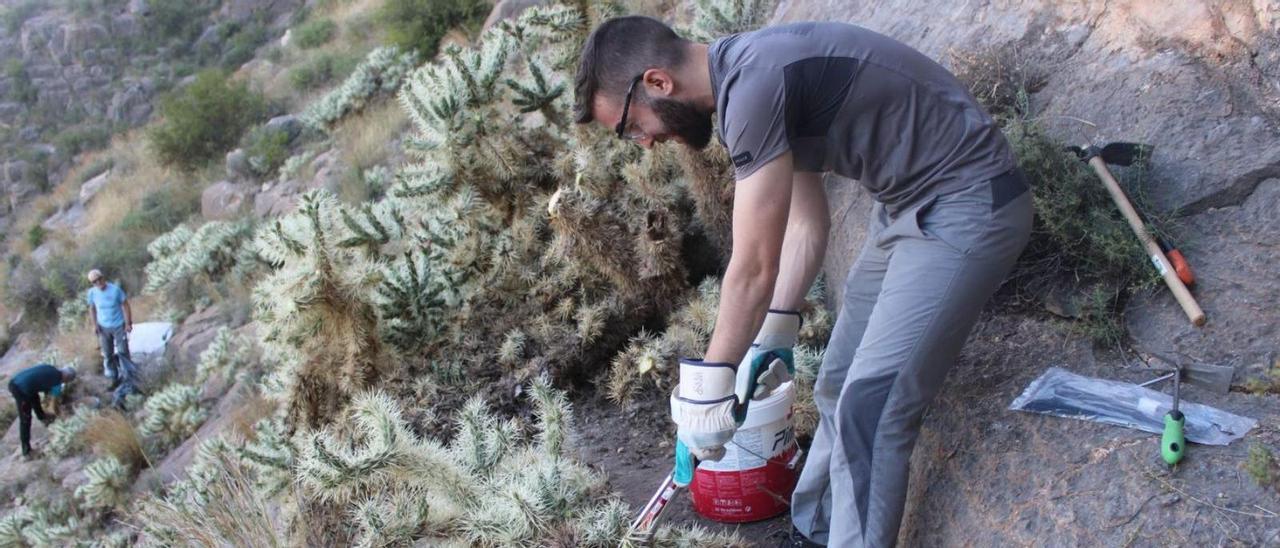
112 321
26 388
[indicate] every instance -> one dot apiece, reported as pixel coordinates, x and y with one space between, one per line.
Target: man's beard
685 121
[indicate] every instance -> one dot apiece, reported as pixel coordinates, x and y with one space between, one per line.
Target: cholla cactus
191 494
716 18
316 308
487 488
37 525
390 519
65 435
381 71
223 357
270 455
804 417
389 455
512 348
12 526
173 413
108 483
120 538
183 253
71 315
650 357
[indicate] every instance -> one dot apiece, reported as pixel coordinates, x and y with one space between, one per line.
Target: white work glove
777 336
702 407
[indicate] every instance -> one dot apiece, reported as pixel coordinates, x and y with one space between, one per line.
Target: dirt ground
984 476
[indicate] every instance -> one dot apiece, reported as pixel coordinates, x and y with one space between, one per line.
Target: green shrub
321 70
25 290
41 290
35 236
204 120
1079 240
20 87
37 167
177 22
71 314
77 139
267 148
314 33
161 210
242 43
1262 466
420 24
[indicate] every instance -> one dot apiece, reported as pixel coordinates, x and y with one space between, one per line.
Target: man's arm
93 318
805 245
761 204
38 408
128 316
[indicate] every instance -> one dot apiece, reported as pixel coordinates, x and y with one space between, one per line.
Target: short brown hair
619 50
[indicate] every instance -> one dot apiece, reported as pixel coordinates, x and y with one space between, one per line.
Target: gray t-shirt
845 99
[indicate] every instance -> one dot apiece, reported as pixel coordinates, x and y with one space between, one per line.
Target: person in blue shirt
112 321
26 388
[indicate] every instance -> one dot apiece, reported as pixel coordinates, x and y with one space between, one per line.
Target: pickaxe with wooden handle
1124 154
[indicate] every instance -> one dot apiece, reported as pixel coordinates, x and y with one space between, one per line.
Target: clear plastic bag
1065 394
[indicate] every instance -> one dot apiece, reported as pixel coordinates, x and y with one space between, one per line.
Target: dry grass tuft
111 434
232 513
367 138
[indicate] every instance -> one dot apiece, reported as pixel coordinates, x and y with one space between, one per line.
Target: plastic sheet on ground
1065 394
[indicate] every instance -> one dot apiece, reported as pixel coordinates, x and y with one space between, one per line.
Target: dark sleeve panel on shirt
754 121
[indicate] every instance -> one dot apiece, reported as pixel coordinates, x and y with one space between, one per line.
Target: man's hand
702 406
774 344
128 327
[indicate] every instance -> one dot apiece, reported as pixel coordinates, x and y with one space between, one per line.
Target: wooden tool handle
1180 292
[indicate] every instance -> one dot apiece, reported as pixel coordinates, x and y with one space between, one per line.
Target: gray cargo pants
910 300
114 344
117 364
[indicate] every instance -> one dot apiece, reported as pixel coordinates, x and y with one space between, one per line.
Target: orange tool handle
1181 266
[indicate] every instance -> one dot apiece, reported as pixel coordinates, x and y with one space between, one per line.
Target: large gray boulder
282 196
224 200
287 123
1198 79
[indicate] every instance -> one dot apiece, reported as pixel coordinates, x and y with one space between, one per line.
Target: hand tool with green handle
1173 442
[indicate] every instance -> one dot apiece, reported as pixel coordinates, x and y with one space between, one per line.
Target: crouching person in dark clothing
26 387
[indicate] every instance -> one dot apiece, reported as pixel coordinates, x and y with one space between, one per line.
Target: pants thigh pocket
959 220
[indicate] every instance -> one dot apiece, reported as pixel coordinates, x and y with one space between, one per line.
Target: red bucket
755 478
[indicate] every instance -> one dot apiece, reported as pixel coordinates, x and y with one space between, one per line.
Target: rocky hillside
389 295
75 72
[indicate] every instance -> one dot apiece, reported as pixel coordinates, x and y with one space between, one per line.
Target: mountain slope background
383 249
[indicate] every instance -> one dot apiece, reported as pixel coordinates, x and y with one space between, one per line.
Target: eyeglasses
626 107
